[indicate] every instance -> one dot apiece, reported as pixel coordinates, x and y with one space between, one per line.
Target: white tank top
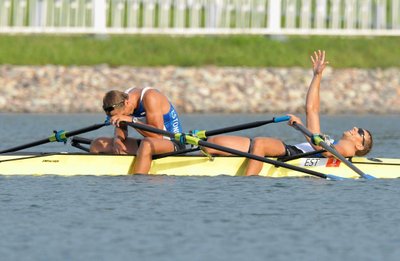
305 147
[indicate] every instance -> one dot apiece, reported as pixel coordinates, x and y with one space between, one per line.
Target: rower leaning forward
146 106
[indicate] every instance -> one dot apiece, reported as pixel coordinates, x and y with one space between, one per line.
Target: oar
318 141
202 134
183 138
198 133
60 136
301 155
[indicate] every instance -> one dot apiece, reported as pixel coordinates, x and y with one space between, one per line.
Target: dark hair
367 146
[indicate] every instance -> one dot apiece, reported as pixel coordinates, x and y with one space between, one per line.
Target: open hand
318 62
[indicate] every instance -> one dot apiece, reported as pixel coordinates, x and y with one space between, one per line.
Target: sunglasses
110 108
361 132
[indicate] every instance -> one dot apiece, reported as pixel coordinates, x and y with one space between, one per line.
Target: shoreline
199 90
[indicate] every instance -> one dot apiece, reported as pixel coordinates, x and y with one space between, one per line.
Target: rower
146 106
354 142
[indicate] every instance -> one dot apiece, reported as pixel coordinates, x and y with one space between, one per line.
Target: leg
106 145
233 142
149 147
264 147
102 145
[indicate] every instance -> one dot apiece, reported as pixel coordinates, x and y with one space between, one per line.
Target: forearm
121 133
313 104
313 96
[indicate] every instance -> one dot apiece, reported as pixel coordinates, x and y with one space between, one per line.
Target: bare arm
345 148
156 105
120 135
121 132
313 106
313 94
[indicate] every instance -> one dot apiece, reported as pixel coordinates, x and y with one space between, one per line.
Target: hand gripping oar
319 141
183 138
60 136
202 134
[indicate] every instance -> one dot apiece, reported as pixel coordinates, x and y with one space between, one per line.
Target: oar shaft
84 130
148 128
55 137
25 146
262 159
302 155
196 141
204 134
175 153
212 132
341 158
245 126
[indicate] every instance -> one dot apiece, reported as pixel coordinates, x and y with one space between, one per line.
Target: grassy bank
251 51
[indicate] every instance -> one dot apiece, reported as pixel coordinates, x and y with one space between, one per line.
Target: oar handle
318 141
281 118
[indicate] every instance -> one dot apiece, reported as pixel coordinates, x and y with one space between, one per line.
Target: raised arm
313 94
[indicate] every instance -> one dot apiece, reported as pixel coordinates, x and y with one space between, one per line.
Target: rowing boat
70 164
180 164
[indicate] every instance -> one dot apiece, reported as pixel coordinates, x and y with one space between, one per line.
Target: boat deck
69 164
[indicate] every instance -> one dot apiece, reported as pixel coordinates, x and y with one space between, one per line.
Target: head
361 138
115 102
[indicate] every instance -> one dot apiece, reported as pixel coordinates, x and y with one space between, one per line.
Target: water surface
197 218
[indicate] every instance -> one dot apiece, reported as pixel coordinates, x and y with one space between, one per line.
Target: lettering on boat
311 162
50 161
319 162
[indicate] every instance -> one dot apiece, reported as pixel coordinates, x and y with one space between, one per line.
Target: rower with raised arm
144 106
354 142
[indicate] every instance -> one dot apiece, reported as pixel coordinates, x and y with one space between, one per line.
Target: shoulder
133 92
153 95
154 100
131 89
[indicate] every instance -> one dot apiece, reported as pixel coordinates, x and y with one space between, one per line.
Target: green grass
249 51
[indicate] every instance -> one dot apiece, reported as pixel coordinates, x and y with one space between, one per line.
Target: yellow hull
89 164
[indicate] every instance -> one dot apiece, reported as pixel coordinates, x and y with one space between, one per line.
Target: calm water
191 218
